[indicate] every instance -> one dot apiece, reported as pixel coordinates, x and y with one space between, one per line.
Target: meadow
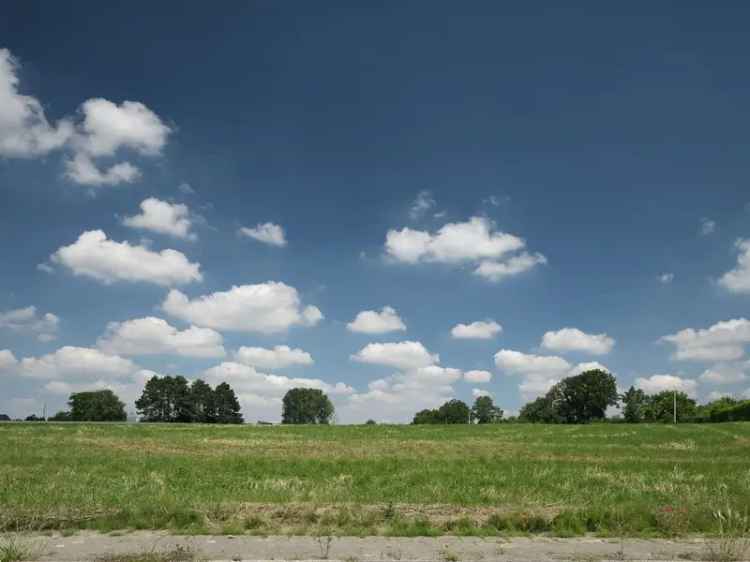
606 479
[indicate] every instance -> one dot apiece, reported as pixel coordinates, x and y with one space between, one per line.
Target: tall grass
641 480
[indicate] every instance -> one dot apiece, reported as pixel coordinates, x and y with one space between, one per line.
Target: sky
398 203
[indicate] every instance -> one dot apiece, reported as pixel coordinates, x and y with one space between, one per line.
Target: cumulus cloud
573 339
478 393
373 322
474 241
725 373
7 359
477 376
107 261
162 217
539 372
737 280
398 397
266 308
280 357
423 203
27 320
268 233
25 131
75 362
480 330
154 336
403 355
724 341
100 130
658 383
260 394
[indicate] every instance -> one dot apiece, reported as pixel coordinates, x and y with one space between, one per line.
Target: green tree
453 412
203 400
166 399
98 405
634 401
63 416
306 405
425 417
541 410
226 405
660 407
585 397
485 411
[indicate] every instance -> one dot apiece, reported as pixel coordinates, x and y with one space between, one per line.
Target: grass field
644 480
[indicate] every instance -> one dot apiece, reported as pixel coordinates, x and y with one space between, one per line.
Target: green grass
611 480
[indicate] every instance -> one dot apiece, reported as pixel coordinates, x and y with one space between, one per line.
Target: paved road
91 546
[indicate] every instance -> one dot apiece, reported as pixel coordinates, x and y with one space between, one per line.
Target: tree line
581 398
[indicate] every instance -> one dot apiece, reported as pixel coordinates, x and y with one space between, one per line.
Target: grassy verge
612 480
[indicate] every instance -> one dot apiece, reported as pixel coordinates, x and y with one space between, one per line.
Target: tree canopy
452 412
485 411
171 399
306 405
97 405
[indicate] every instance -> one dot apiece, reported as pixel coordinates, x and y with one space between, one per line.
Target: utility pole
674 408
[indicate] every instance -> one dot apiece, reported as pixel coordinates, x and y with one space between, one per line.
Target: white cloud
477 376
7 359
265 308
280 357
472 240
666 278
480 330
93 255
737 280
573 339
539 372
658 383
186 189
268 233
478 392
162 217
154 336
81 169
24 129
103 129
27 320
496 271
373 322
75 362
107 127
725 373
724 341
260 394
403 355
423 203
708 226
398 397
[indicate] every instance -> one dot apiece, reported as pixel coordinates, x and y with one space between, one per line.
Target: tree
426 417
33 418
634 401
97 405
370 422
4 417
63 416
660 407
203 402
227 407
585 397
454 411
166 399
306 405
541 410
485 411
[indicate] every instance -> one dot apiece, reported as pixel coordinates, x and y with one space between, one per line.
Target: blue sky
574 177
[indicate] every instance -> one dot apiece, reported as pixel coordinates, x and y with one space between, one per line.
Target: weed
732 544
13 550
